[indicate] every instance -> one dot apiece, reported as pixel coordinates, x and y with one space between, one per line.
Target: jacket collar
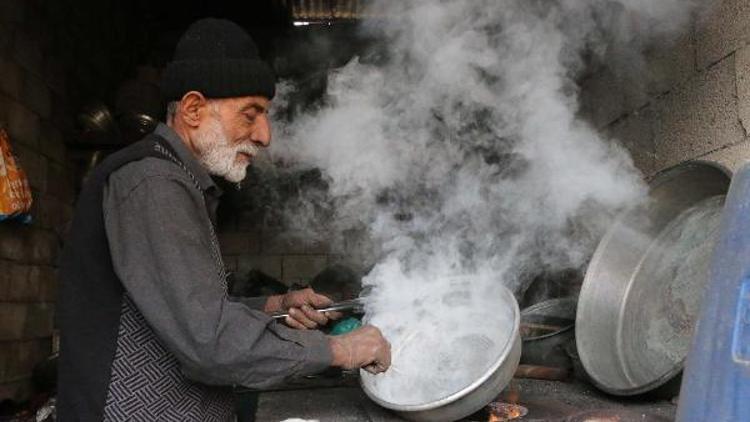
186 156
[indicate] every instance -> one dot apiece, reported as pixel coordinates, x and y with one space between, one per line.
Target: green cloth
346 325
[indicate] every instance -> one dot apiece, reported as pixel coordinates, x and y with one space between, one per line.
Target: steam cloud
458 149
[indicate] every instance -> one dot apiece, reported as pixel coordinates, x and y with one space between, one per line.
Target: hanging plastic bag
15 194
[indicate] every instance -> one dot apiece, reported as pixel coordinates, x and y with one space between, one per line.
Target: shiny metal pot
475 396
635 319
547 347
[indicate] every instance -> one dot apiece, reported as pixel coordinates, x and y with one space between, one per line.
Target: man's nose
262 131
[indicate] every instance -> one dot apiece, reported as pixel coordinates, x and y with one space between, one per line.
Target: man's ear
191 108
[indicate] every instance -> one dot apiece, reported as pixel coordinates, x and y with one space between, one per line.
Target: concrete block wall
290 258
695 101
32 108
690 102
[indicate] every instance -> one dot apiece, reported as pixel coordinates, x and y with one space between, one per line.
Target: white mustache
248 148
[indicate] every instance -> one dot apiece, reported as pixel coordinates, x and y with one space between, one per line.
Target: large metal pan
472 397
642 290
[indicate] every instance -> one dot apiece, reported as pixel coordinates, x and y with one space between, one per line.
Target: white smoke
459 150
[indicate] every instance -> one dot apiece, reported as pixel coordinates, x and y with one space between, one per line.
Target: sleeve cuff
256 303
319 356
315 346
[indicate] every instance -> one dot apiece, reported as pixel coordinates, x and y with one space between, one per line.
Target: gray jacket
159 218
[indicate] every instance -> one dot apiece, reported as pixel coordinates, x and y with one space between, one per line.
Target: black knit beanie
217 58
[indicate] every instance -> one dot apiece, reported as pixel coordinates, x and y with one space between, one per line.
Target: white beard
219 156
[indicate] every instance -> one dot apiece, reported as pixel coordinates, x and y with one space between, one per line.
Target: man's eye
250 117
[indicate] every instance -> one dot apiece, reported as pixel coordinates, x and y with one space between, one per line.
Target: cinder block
6 38
12 320
39 322
51 213
23 288
699 117
293 243
235 243
722 30
351 262
250 221
12 11
670 62
730 158
24 355
28 244
44 246
46 279
742 71
10 275
227 222
635 133
603 98
34 166
36 95
6 279
17 390
61 114
59 182
302 268
267 264
230 263
54 75
27 51
13 242
15 367
361 248
23 124
6 357
11 78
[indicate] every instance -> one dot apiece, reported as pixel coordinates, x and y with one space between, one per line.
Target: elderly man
147 330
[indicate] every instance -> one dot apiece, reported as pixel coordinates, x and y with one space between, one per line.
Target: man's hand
301 306
362 348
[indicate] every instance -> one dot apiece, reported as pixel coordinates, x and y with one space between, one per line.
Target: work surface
349 404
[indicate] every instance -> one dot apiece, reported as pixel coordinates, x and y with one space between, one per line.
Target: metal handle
347 305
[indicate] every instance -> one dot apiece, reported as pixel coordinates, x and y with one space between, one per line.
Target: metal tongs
354 305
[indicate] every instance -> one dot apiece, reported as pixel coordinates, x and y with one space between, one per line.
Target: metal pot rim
501 360
641 389
587 300
544 305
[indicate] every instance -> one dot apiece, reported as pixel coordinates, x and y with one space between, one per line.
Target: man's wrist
337 351
273 304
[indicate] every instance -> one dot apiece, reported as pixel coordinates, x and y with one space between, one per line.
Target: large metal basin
472 397
635 318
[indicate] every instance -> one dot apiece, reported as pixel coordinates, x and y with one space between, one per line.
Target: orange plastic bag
15 194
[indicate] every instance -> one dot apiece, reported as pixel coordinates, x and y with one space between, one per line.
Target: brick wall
695 104
32 108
